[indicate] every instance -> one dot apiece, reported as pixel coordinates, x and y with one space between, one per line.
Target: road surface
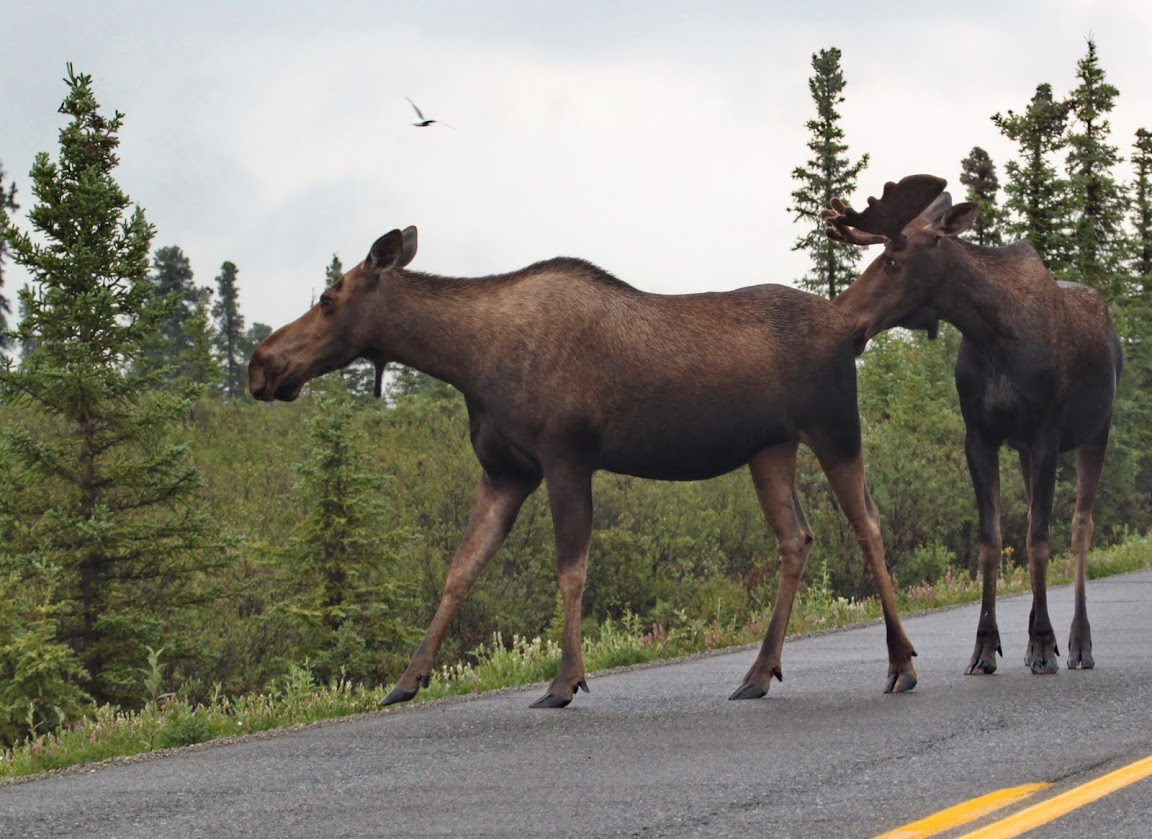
660 751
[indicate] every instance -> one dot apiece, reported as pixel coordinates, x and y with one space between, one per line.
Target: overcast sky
655 139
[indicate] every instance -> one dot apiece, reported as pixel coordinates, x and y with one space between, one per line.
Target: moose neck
436 325
985 290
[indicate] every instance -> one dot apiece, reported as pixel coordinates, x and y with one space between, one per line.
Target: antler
884 218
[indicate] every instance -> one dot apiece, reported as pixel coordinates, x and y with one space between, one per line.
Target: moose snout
260 378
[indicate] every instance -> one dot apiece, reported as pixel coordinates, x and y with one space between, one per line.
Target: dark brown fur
566 370
1038 369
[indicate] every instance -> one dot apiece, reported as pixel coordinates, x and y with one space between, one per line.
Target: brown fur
566 370
1038 369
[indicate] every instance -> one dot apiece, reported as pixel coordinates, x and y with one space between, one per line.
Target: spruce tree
1142 209
828 174
978 174
1098 199
351 588
230 341
102 494
175 297
256 333
7 205
1037 197
201 368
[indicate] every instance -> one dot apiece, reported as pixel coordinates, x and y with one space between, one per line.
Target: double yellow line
1031 817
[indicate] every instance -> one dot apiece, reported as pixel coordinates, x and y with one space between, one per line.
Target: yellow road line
963 813
1066 802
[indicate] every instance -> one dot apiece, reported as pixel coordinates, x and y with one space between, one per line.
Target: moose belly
684 448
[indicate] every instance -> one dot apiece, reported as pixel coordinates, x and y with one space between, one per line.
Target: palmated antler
885 218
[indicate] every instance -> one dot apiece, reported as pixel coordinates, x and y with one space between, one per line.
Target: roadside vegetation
180 564
170 720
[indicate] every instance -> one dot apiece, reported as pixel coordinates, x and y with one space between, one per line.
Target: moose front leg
570 497
494 510
846 477
1042 656
774 476
984 467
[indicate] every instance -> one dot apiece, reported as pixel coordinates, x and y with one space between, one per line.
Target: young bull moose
566 370
1038 368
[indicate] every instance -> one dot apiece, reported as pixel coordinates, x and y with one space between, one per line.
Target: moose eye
889 262
325 301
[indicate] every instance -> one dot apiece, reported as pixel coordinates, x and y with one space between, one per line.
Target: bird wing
417 110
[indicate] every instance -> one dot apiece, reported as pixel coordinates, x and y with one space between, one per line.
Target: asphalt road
661 752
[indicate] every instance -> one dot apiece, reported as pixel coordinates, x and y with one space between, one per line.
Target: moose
1038 369
566 370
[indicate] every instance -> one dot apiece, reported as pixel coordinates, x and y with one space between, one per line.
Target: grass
168 721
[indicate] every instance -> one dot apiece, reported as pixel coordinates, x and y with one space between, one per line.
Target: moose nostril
256 381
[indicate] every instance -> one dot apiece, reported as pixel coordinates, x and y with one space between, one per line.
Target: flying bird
423 121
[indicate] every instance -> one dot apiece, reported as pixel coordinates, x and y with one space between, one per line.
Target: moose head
335 331
901 286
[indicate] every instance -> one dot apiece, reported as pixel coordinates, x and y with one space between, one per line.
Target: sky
655 139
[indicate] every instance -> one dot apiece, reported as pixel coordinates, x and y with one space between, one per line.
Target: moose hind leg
1089 466
570 496
494 510
774 477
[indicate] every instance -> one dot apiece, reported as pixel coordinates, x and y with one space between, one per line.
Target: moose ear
392 250
385 250
957 219
408 251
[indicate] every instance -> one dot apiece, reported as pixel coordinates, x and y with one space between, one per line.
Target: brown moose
1038 369
566 370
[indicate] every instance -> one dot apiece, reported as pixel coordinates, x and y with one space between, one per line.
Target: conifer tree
199 363
256 333
1142 209
7 204
1098 199
978 174
103 494
230 341
1037 197
828 174
351 588
175 296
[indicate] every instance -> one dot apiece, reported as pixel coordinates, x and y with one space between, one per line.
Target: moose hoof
397 694
981 667
900 683
749 690
551 700
1081 661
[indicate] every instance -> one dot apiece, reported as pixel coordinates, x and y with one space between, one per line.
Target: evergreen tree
256 333
230 342
978 174
28 338
101 493
1037 198
199 363
1098 199
1142 209
7 205
828 174
352 593
175 296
